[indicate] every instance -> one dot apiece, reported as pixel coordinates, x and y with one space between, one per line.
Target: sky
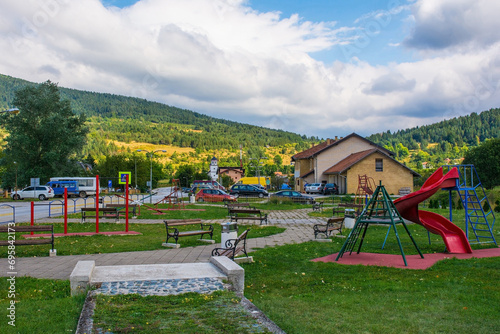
322 68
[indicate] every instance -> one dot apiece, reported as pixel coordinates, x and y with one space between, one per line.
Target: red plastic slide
453 237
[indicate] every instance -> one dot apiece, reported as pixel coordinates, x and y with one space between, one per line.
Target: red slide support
453 237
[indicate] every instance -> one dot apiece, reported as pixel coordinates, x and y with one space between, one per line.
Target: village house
343 161
235 173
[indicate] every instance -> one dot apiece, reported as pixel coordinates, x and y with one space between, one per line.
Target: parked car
195 188
331 188
294 195
40 192
314 188
247 190
214 195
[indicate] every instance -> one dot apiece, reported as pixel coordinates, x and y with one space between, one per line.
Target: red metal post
65 210
32 215
126 202
97 204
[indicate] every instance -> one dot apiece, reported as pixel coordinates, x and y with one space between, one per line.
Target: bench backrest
100 209
242 236
181 222
245 211
27 228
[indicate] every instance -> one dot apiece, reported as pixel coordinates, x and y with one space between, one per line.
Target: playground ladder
379 210
474 199
366 185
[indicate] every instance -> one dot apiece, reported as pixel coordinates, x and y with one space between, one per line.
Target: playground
457 294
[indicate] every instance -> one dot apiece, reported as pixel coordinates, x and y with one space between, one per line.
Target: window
379 165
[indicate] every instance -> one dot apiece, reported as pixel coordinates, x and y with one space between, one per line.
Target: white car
314 188
40 192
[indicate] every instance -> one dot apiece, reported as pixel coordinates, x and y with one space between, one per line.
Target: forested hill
126 118
467 130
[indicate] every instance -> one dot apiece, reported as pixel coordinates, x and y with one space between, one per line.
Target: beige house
235 173
343 160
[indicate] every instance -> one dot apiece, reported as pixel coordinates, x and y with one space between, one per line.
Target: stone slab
155 271
235 273
80 276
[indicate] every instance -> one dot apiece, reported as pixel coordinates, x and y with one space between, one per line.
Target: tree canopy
45 137
486 159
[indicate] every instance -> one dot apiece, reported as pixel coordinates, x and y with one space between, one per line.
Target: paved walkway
298 229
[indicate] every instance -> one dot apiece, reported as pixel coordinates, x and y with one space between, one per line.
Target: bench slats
333 224
256 215
173 232
235 246
30 241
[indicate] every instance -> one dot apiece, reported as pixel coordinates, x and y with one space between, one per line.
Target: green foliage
486 159
44 137
454 137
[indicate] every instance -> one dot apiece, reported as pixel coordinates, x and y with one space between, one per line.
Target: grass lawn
42 306
219 312
151 238
453 296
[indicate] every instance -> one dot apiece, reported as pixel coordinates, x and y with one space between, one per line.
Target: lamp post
257 166
151 153
15 188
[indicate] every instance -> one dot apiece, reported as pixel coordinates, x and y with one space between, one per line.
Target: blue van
59 186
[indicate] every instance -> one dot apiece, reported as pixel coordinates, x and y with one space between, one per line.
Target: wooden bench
318 206
333 224
121 207
12 240
173 231
235 205
233 247
103 213
248 214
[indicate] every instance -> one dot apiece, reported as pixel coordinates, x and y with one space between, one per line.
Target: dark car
294 195
247 190
331 188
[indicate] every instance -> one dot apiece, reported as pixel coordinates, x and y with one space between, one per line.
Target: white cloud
222 58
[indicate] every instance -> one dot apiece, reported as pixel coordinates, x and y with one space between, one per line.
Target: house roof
354 158
315 150
307 174
236 169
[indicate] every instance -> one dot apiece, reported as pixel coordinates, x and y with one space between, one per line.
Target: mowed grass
453 296
151 238
42 306
219 312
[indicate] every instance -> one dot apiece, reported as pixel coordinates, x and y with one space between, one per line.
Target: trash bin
229 231
191 199
349 218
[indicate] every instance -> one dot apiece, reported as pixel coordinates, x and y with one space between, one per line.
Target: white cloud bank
221 58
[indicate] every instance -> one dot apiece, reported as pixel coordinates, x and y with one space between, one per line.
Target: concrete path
298 229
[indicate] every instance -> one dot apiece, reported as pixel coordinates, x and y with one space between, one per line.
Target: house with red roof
343 160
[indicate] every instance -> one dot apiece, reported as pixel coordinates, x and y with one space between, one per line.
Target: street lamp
257 166
15 188
151 153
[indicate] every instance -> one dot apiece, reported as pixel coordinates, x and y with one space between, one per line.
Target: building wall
339 152
235 175
393 177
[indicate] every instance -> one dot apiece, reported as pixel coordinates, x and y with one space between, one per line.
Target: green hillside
127 119
116 122
443 142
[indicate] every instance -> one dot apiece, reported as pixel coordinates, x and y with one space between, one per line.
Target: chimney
328 141
336 138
